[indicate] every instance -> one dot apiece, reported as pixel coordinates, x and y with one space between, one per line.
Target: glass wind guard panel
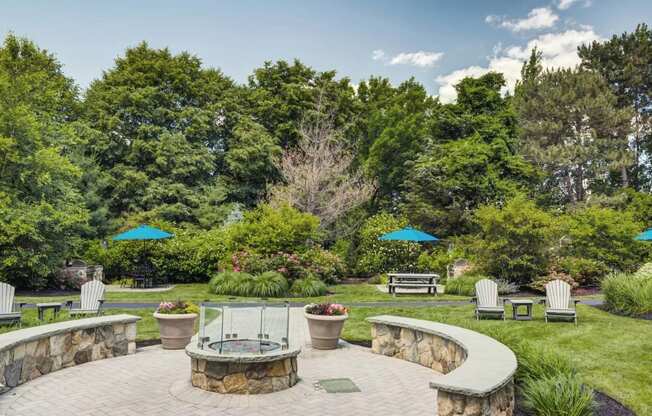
237 330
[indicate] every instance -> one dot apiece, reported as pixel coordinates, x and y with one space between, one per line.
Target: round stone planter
325 330
176 329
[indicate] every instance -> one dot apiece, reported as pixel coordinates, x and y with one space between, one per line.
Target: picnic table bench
412 280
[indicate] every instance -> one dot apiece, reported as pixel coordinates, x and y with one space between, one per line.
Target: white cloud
378 55
566 4
421 59
539 18
559 50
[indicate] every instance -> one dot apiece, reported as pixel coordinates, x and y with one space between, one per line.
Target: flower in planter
178 307
326 309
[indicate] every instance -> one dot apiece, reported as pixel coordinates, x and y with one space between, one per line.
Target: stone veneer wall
66 346
442 355
244 378
498 403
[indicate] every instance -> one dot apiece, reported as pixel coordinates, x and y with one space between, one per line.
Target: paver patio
155 381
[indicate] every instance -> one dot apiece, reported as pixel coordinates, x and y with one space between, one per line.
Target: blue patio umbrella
408 234
143 232
645 235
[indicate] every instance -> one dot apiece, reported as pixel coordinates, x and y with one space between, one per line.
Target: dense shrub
539 284
583 271
463 285
375 256
308 287
190 256
606 236
266 230
438 260
269 284
628 294
514 242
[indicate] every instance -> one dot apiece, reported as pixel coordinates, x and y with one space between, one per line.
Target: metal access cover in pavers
338 385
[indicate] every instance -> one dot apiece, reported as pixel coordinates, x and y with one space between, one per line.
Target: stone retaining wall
470 393
30 353
244 378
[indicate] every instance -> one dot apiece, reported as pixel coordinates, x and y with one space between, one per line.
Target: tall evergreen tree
625 61
572 128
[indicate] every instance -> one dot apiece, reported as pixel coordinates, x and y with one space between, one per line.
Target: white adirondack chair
91 299
10 312
487 301
558 301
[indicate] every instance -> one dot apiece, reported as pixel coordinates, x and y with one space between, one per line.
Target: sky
437 42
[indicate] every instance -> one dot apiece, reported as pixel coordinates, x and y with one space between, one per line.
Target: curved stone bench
26 354
477 372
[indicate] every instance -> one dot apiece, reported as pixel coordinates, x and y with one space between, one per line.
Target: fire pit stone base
244 377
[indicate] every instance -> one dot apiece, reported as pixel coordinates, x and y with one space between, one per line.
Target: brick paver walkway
155 382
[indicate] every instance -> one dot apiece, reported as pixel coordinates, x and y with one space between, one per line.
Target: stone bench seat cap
21 336
489 364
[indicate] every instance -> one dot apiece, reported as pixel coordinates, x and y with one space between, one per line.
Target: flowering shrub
539 284
326 309
375 256
325 265
177 308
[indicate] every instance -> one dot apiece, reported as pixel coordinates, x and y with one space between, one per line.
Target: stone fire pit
243 374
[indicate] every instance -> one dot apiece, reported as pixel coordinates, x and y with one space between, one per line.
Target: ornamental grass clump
560 395
628 294
463 285
549 383
269 284
232 284
308 287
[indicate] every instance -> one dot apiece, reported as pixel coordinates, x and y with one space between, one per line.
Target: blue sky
437 42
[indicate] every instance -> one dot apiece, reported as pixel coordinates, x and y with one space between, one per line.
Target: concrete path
154 382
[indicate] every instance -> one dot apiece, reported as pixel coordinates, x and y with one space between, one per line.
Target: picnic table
412 280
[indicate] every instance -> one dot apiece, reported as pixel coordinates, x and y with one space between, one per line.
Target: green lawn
198 292
611 353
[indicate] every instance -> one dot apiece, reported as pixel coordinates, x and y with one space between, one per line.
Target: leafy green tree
572 129
397 133
281 94
471 162
625 61
41 210
515 241
251 161
165 122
